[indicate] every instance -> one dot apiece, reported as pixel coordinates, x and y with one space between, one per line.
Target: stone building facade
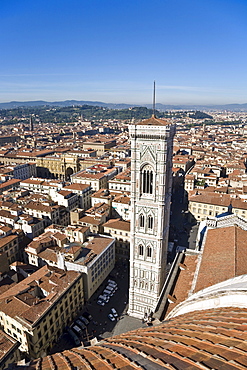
151 181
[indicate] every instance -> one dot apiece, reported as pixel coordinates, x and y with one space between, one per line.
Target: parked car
80 324
88 316
73 336
77 330
108 292
114 312
113 286
84 320
111 317
104 298
100 302
112 282
110 288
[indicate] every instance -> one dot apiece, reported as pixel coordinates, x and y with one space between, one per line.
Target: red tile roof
211 339
224 256
153 121
184 281
6 344
118 224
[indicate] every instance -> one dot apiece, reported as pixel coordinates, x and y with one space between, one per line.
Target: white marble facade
151 181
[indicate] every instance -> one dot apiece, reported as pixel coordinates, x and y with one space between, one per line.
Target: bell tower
31 123
151 182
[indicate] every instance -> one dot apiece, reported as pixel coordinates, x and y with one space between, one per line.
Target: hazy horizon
121 103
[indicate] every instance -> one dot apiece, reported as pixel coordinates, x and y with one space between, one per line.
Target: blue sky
113 50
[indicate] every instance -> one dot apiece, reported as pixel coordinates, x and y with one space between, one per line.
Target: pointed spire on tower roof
154 102
153 120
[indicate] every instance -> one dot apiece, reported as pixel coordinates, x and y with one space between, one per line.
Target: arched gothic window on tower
141 220
150 222
147 180
149 252
141 250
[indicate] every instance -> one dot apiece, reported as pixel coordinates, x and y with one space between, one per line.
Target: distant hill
223 107
161 107
65 103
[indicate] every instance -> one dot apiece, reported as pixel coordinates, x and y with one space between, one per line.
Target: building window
141 250
141 221
147 180
150 222
149 252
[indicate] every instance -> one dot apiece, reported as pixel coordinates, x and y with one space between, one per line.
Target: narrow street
181 229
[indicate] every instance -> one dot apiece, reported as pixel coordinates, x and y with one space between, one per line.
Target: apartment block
36 310
94 256
204 204
120 230
83 192
9 350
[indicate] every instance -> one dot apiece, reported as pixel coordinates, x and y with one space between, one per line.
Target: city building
100 146
83 191
204 204
9 184
121 182
35 310
9 351
102 195
120 230
51 214
65 198
121 206
96 179
72 249
151 181
60 166
9 245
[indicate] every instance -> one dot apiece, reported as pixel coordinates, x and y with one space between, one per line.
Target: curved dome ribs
112 360
137 357
66 360
162 357
207 339
80 360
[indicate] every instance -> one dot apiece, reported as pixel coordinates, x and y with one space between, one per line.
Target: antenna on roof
154 101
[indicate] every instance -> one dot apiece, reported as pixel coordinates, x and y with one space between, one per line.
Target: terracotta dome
207 339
